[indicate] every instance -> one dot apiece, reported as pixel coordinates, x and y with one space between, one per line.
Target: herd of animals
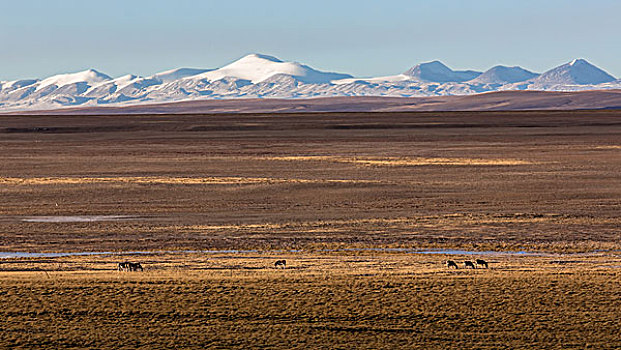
129 266
468 264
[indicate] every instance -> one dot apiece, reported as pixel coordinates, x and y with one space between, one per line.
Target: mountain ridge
492 101
578 72
504 75
264 76
438 72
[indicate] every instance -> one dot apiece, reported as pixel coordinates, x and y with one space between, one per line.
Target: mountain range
263 76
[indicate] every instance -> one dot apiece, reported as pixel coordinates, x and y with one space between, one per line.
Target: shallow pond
439 251
12 255
9 255
78 218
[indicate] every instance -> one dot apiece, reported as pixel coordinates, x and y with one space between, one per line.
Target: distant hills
437 72
504 75
263 76
576 72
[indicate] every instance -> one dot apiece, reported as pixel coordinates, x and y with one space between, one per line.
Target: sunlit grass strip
149 180
446 221
382 301
608 147
406 161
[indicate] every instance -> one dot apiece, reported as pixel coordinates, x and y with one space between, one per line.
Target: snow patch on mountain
437 72
179 73
262 76
7 86
257 67
504 75
576 72
377 80
90 77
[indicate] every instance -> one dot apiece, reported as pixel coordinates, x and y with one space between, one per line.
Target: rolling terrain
501 180
493 101
344 301
366 208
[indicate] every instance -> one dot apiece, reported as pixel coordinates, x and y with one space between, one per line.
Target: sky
39 38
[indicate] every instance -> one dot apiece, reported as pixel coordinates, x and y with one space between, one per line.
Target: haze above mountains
263 76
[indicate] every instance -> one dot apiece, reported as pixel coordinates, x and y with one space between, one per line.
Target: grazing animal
129 266
135 267
281 263
450 264
123 266
468 264
481 262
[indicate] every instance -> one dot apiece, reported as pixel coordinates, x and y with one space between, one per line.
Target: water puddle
78 218
440 251
11 255
485 252
14 255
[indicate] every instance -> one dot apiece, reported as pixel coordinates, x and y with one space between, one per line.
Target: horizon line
262 55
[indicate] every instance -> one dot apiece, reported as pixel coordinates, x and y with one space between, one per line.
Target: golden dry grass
321 301
404 161
154 180
338 188
461 180
608 147
447 221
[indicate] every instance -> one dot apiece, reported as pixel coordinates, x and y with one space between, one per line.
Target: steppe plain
348 199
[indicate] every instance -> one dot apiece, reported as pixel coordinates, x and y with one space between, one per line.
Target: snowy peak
90 77
256 57
576 72
578 62
437 72
257 68
504 75
16 84
264 76
179 73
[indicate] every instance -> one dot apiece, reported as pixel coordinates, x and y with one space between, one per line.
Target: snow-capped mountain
179 73
576 72
86 78
262 76
257 68
504 75
437 72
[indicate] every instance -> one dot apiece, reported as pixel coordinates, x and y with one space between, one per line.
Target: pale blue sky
39 38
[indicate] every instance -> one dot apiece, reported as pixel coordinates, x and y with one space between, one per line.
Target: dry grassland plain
328 192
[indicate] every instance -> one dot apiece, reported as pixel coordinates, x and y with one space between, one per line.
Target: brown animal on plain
123 266
468 264
281 264
450 264
481 262
129 266
135 267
